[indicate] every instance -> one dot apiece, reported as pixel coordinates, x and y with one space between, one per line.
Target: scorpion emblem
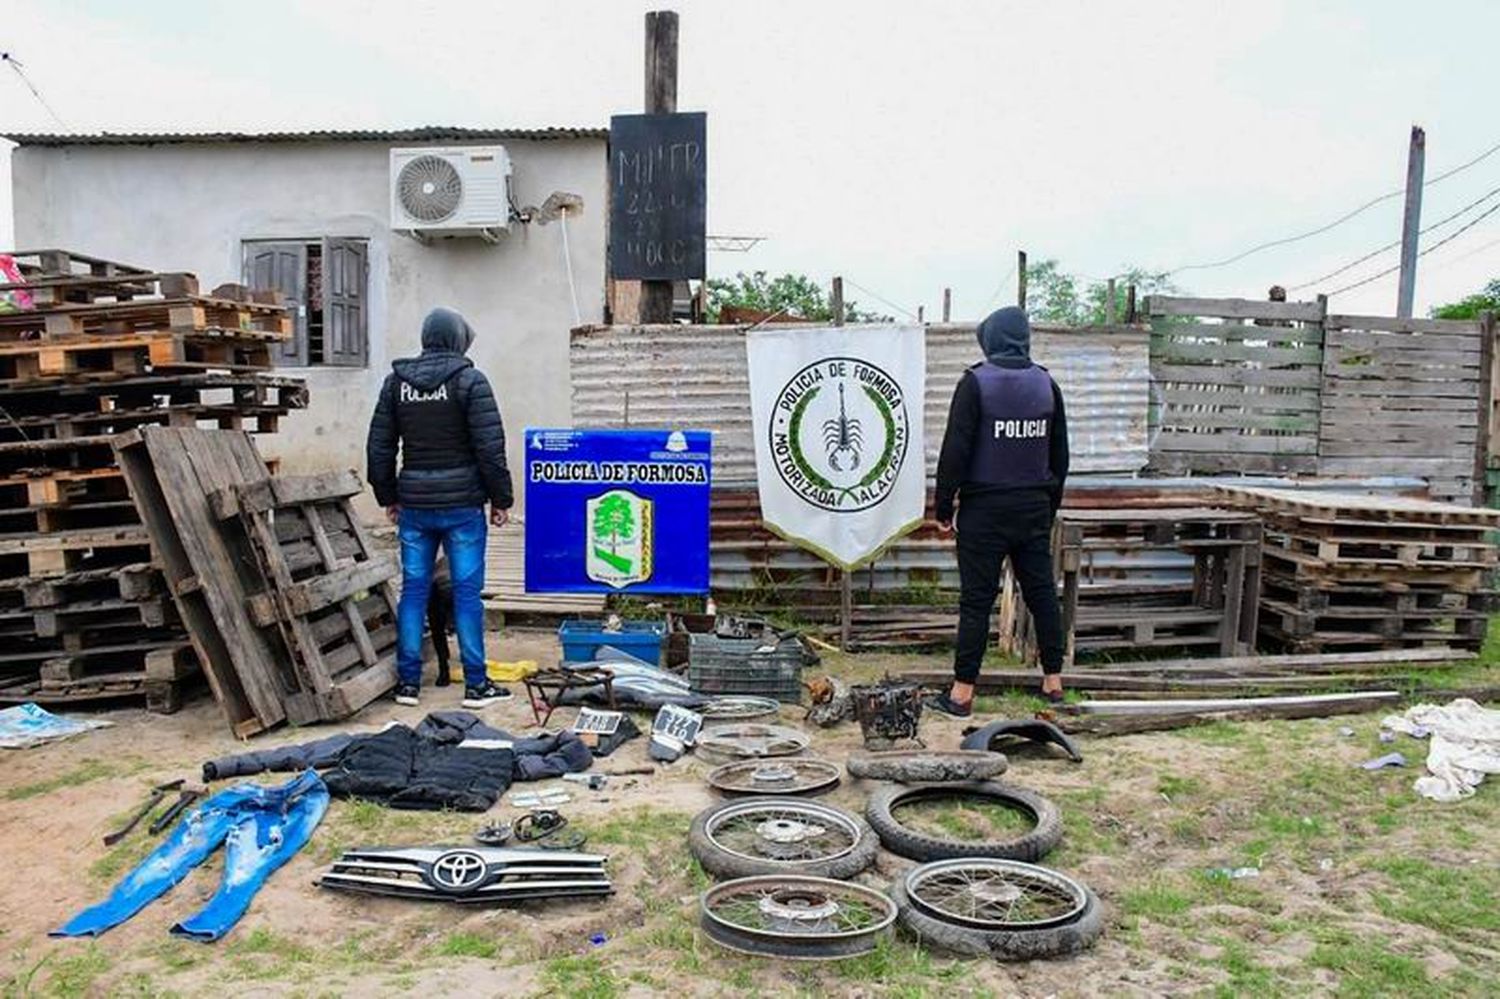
842 436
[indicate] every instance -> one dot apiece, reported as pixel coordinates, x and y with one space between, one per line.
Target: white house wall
188 207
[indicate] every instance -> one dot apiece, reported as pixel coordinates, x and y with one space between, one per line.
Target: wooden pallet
1356 507
94 617
47 397
1311 571
272 652
330 591
179 314
57 554
159 672
136 353
52 291
54 519
65 263
133 582
53 487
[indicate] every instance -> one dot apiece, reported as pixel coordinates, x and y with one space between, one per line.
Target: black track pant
991 528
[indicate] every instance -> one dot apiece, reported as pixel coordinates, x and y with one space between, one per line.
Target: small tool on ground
186 797
157 794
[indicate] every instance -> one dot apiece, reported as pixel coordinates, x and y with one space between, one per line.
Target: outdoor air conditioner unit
453 191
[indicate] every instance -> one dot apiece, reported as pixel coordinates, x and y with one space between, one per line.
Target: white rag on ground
1465 745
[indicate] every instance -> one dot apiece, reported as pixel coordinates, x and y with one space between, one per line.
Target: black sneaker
484 695
408 694
946 705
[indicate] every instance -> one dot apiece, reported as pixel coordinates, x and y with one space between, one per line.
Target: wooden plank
1230 400
1239 332
1392 324
1299 423
315 594
1365 699
1171 440
1180 352
1239 375
289 490
1232 308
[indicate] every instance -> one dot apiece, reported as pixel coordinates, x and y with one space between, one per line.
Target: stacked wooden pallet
89 349
1168 578
287 600
1350 571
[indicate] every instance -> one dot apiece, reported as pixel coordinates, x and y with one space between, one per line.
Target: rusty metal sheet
696 376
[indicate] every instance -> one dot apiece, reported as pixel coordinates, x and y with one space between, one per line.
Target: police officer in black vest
1004 461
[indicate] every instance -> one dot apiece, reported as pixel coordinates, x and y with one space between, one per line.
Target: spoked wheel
725 709
790 776
800 918
983 907
751 741
781 836
993 894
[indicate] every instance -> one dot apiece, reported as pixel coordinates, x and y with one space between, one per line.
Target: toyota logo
458 871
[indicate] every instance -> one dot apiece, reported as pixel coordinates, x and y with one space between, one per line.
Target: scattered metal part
800 918
927 767
473 875
888 712
1382 762
751 740
546 688
540 799
996 734
537 824
593 782
157 794
991 894
185 798
495 834
725 709
781 776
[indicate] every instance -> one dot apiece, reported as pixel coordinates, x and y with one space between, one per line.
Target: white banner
837 416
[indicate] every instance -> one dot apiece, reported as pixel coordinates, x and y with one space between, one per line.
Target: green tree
794 295
1487 300
1054 296
614 518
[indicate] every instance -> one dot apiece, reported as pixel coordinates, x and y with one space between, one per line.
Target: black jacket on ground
439 411
1006 340
450 760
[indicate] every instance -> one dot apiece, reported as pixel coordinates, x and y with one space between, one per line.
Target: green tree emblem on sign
614 522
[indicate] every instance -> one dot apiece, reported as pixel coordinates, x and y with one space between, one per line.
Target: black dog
440 616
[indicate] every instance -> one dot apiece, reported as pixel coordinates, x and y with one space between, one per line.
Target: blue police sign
611 510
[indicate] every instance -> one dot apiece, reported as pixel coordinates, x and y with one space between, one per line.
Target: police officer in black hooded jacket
1003 464
439 411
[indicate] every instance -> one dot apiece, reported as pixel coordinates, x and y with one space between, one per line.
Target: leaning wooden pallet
292 615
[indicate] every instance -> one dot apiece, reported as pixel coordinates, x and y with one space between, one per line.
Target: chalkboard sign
658 177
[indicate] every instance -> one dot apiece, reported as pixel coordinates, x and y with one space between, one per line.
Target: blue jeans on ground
264 828
462 532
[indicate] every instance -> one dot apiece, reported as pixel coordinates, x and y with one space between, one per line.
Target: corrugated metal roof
427 133
696 376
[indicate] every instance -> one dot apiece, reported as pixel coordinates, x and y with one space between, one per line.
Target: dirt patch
1340 900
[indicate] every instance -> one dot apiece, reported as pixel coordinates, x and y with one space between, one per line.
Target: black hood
1006 335
446 337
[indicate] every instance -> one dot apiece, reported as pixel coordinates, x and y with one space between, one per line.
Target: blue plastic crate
581 638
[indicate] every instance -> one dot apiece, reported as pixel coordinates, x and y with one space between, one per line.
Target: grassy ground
1360 889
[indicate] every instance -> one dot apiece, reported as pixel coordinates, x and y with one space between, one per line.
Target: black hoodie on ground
1005 338
439 411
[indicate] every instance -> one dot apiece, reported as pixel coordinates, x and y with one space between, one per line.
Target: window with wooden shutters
326 283
345 319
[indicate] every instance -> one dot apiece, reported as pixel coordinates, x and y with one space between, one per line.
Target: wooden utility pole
661 98
1411 221
846 579
1021 278
1111 314
947 304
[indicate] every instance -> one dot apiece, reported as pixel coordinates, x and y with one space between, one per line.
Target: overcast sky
906 146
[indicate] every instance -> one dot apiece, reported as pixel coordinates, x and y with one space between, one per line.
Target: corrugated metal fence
696 376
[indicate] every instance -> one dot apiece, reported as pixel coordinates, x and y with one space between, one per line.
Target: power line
16 65
1392 245
1446 239
1003 282
880 298
1474 252
1336 222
